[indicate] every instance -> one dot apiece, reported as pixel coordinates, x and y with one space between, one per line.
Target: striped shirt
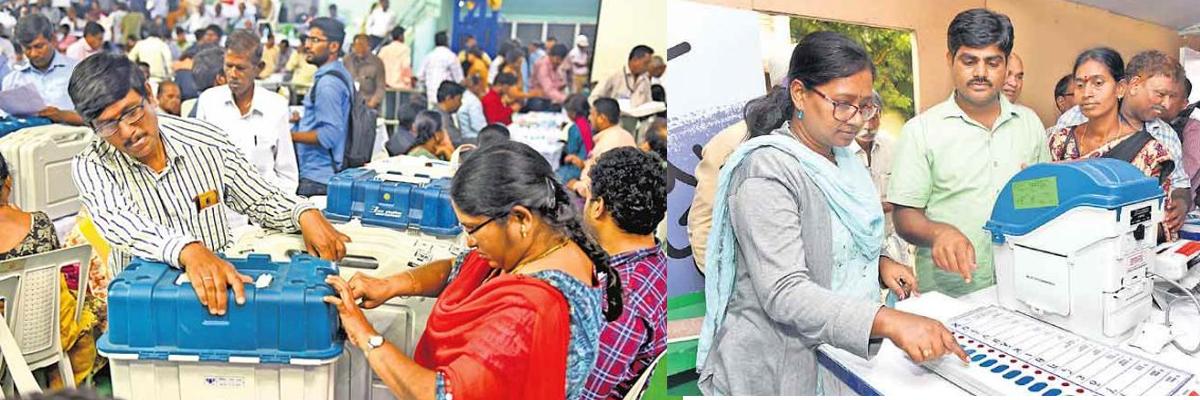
153 215
629 344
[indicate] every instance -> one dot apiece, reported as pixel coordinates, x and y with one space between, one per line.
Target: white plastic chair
30 286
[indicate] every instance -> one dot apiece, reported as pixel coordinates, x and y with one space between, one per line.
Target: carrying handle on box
263 280
349 261
68 136
416 179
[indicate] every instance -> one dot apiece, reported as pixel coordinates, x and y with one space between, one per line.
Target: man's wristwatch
373 342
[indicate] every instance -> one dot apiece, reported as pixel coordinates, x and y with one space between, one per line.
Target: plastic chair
30 286
639 387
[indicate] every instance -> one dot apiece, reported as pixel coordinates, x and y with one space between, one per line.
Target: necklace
539 256
1125 121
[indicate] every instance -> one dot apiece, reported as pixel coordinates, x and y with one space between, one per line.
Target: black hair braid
562 215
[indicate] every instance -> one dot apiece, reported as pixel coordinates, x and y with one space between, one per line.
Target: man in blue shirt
527 66
320 136
47 70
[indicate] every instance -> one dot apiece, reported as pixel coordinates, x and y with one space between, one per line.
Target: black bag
1129 148
360 132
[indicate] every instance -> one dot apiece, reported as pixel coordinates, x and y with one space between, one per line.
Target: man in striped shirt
628 200
158 186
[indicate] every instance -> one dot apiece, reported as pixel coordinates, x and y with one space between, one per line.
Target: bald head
1014 81
657 67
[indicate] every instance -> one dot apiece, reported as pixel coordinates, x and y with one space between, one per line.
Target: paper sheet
22 101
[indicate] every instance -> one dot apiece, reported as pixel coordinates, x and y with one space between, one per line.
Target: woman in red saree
519 315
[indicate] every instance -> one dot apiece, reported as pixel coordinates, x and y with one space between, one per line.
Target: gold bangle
412 281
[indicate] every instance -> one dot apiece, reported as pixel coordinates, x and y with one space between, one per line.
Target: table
890 372
543 131
630 116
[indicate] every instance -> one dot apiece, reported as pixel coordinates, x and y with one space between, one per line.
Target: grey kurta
781 308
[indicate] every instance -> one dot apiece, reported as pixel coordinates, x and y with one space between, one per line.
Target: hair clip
550 188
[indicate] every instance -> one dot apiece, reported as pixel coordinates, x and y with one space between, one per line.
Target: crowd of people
206 120
805 203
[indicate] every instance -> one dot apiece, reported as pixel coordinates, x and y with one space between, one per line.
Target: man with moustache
158 186
953 159
1151 78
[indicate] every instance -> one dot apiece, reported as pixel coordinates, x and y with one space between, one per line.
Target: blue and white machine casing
1078 262
398 215
377 252
282 344
399 193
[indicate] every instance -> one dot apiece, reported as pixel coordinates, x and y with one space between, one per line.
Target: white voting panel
1014 355
39 159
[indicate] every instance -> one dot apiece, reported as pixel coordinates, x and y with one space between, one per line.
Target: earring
800 114
523 232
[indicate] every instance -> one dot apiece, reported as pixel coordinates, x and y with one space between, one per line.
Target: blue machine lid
1042 192
153 318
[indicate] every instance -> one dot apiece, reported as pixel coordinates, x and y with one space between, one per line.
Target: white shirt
470 115
440 65
81 50
578 60
397 65
157 53
624 85
494 68
263 135
158 8
380 22
112 25
7 50
7 20
66 20
198 22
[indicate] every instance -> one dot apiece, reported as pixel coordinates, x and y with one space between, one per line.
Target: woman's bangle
412 284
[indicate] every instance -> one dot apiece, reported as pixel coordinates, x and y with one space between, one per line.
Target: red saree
499 338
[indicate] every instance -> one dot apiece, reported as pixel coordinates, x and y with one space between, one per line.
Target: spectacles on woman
472 231
845 111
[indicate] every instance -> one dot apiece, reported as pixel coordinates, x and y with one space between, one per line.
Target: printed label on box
225 381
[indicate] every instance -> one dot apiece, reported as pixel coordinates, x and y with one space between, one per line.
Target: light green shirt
954 168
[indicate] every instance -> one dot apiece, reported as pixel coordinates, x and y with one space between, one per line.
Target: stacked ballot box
281 344
39 160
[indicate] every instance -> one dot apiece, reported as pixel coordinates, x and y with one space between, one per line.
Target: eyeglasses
472 231
315 39
845 111
129 117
